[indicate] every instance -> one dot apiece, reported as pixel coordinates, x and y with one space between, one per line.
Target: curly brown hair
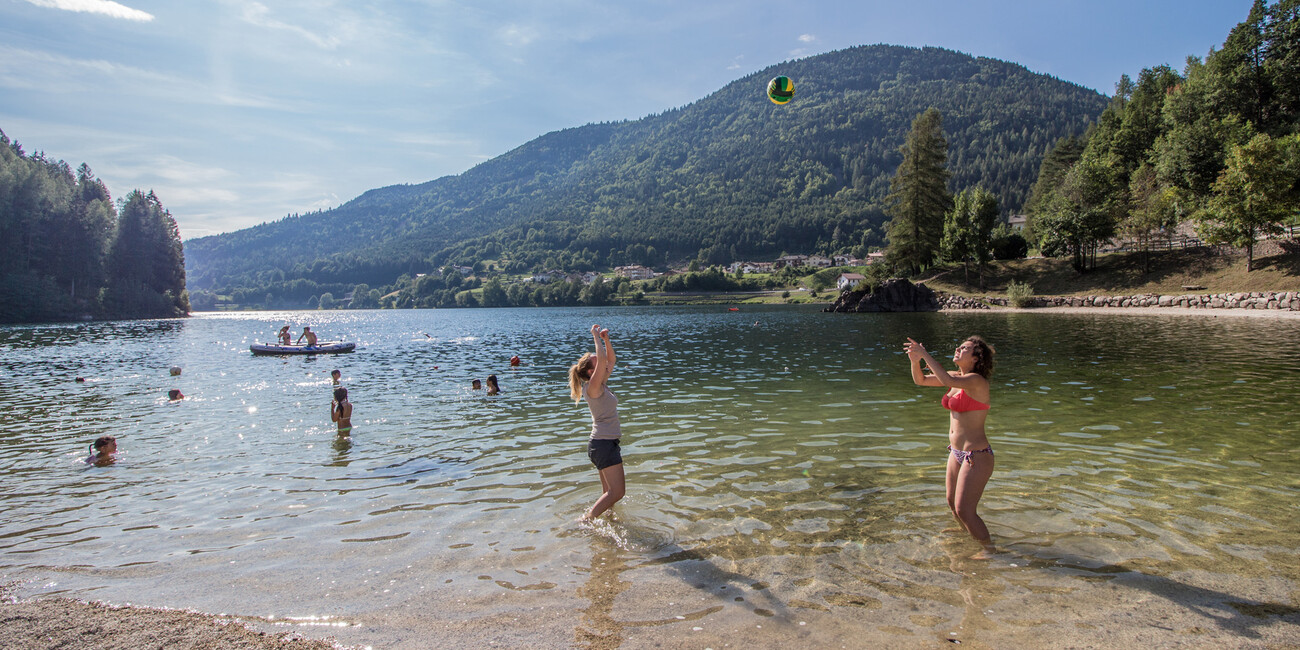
983 357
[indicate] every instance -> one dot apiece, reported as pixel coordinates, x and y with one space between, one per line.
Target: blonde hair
580 373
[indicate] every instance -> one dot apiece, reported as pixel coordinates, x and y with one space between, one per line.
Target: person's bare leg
971 480
950 487
612 482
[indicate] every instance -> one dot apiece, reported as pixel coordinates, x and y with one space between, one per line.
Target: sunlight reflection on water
793 451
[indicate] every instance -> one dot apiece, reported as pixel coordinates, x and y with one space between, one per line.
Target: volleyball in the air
780 90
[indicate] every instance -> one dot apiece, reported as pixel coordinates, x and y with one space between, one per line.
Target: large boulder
894 294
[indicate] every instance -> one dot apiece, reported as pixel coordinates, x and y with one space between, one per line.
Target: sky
238 112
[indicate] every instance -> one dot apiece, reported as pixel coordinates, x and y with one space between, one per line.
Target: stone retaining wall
949 301
1281 300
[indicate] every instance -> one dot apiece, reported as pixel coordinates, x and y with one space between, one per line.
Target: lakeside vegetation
71 252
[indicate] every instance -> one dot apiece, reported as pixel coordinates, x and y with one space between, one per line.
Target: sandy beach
66 623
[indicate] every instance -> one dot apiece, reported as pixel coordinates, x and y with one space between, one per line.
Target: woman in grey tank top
587 378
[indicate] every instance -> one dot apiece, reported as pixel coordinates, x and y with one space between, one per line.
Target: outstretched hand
604 334
595 330
915 351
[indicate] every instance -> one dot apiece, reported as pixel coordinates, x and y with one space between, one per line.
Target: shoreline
1145 311
61 622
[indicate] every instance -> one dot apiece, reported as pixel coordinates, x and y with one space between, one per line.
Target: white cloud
256 13
105 7
22 69
807 38
518 35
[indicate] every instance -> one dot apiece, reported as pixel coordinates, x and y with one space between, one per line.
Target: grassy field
1276 268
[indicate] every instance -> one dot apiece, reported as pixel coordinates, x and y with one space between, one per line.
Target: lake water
785 478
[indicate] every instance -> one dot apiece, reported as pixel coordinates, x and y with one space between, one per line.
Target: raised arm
915 357
917 354
600 365
610 357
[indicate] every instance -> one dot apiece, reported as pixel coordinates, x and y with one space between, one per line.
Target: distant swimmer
175 395
970 457
176 371
476 385
309 335
492 386
341 411
335 376
103 451
587 379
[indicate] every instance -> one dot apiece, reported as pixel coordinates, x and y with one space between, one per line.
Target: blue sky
238 112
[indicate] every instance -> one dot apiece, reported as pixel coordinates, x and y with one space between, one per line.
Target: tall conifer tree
918 195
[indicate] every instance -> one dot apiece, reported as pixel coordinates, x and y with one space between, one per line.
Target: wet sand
1008 601
66 623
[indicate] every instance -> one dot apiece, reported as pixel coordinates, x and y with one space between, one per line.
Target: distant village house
790 260
848 280
635 272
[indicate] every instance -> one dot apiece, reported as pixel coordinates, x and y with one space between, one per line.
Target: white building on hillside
848 280
635 272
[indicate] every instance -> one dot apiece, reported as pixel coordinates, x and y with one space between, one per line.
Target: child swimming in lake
103 451
341 411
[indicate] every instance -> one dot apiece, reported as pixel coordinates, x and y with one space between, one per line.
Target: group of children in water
967 398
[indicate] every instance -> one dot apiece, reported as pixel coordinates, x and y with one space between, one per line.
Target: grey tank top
604 415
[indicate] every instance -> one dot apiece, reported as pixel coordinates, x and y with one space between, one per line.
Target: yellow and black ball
780 90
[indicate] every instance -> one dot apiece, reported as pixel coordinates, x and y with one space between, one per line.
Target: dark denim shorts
604 453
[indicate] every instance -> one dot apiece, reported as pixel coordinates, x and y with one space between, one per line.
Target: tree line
1215 145
72 252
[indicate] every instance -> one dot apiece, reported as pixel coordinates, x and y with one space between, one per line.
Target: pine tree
918 195
146 263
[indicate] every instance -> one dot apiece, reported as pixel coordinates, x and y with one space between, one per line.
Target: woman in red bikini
970 458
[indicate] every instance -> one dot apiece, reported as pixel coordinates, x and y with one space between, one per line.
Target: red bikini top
961 402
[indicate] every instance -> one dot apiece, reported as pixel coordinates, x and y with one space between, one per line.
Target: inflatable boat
325 347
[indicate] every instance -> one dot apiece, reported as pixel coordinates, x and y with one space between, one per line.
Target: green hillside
731 176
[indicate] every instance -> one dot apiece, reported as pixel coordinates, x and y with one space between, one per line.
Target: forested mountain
68 253
731 176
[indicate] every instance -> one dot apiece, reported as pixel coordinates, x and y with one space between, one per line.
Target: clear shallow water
781 467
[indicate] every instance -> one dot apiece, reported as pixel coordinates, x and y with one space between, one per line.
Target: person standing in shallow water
587 379
341 411
970 457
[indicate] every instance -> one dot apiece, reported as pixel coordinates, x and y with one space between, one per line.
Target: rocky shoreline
1277 300
900 295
